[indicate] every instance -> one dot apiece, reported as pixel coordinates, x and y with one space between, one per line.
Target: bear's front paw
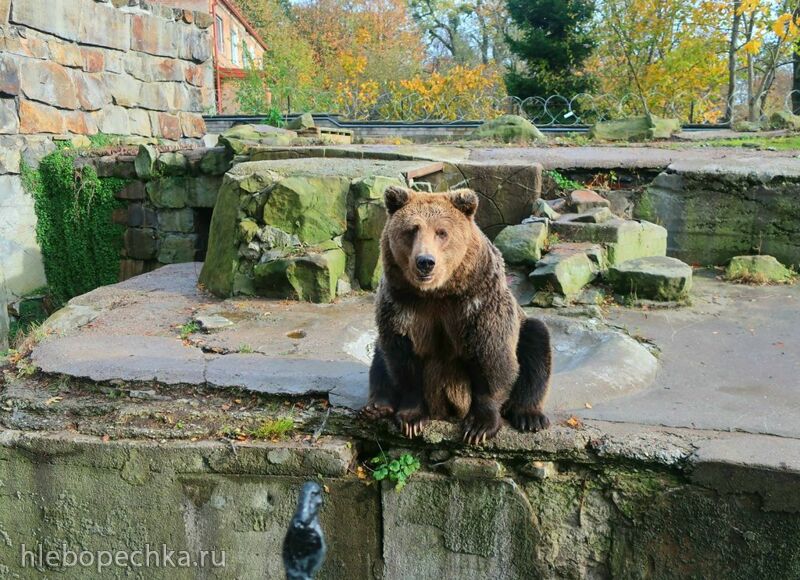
531 419
412 421
480 426
377 410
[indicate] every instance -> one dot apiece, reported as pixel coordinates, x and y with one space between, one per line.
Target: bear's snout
425 264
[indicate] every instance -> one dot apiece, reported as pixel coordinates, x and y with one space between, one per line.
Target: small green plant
245 349
273 117
396 470
551 240
188 329
273 428
101 140
563 183
25 369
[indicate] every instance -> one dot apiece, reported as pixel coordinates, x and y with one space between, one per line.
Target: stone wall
713 214
168 203
549 513
70 69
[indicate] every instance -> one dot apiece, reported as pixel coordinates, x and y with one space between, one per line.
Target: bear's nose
425 263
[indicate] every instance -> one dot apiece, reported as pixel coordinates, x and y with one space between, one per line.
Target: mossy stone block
522 244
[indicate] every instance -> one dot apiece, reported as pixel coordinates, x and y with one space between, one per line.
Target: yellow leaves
748 6
753 46
786 27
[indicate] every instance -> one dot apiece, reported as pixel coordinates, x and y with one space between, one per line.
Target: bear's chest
433 331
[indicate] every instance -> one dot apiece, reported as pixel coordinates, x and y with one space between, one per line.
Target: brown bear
452 340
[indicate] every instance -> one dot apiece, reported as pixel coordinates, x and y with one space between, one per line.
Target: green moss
783 143
80 243
645 208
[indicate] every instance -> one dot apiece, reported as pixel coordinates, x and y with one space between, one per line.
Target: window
220 35
235 46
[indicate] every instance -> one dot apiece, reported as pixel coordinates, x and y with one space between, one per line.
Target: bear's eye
441 234
412 231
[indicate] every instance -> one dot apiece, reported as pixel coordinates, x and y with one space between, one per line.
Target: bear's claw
412 422
532 420
478 430
377 410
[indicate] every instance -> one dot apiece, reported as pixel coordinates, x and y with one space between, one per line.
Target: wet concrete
731 361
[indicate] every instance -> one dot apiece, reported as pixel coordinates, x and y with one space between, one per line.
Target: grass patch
784 143
188 329
274 429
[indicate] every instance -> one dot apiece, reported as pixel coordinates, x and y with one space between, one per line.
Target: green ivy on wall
80 243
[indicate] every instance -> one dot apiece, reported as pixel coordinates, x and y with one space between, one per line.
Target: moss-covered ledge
115 466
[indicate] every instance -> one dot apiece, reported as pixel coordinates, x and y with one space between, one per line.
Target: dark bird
304 546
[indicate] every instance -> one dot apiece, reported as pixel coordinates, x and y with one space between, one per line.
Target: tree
464 31
553 41
667 57
288 69
771 31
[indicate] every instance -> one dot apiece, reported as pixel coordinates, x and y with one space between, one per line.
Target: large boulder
304 121
653 278
508 129
784 120
522 245
642 128
312 207
370 219
312 276
241 138
758 270
299 230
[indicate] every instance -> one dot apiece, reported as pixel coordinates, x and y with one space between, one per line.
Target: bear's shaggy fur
452 340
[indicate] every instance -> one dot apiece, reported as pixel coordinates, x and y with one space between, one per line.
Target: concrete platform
131 332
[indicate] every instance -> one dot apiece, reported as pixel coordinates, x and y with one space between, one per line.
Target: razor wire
555 110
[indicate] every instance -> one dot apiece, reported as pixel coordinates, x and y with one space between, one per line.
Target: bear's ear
396 197
465 200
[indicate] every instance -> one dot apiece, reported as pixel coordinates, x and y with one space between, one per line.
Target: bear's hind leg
524 407
382 391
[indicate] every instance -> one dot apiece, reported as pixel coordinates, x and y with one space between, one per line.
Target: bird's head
308 503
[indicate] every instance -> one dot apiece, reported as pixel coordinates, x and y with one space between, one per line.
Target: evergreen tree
553 40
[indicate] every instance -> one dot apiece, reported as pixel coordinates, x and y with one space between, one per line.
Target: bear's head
430 235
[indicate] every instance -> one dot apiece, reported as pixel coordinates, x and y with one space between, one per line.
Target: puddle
363 347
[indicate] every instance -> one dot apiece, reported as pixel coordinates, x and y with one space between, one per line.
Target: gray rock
542 208
655 278
582 200
70 318
567 268
522 244
211 322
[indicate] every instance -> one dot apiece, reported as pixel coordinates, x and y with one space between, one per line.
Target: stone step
652 278
623 239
